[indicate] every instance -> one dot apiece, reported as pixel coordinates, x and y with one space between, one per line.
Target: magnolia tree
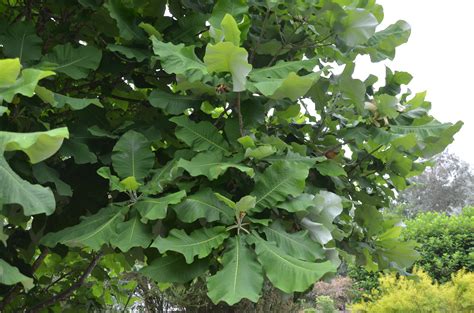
199 139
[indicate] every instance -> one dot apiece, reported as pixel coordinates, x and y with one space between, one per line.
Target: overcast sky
440 56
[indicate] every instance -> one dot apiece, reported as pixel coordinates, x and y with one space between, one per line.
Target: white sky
440 56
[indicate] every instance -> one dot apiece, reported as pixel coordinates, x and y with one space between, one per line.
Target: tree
177 139
447 186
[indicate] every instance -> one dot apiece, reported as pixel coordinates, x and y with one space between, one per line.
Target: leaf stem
239 115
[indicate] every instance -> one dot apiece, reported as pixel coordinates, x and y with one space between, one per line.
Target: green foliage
324 304
189 155
446 243
420 294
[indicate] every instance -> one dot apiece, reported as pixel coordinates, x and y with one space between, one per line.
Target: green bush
421 294
363 282
325 304
446 242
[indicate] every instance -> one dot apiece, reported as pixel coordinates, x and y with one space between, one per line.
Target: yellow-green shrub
421 294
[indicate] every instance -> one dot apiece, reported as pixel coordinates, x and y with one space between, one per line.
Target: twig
66 293
239 115
129 298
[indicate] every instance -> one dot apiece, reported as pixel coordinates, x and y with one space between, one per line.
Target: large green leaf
241 276
93 231
281 179
20 41
132 156
132 233
282 69
320 217
236 8
359 26
297 204
157 208
286 272
174 104
211 165
46 174
199 243
162 177
74 62
227 57
179 59
38 146
292 86
125 19
59 101
383 43
202 136
25 84
131 53
174 269
230 30
10 275
203 204
10 71
298 244
330 168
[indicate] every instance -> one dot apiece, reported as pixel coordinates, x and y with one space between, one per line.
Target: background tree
175 140
447 186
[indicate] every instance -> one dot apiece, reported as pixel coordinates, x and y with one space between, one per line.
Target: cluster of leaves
192 148
421 294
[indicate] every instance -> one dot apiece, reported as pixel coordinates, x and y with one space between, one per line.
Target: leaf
203 204
245 204
327 206
79 151
131 233
241 276
24 85
282 69
131 53
38 145
286 272
92 232
174 269
359 26
330 168
10 275
20 41
211 165
132 156
297 204
202 136
199 243
180 60
162 177
386 105
10 71
114 181
279 180
383 43
173 104
236 8
59 101
292 86
125 20
45 174
298 244
157 208
230 30
260 152
74 62
130 183
227 57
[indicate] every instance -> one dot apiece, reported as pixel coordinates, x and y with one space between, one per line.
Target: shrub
421 294
338 289
324 304
363 282
446 242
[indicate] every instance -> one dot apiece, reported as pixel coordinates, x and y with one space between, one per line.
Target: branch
66 293
16 289
239 115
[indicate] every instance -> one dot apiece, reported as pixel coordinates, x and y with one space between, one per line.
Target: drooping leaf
202 136
59 101
46 174
125 20
132 156
282 69
10 275
174 269
199 243
211 165
241 276
131 233
161 177
281 179
230 30
174 104
286 272
359 26
178 59
74 62
93 231
203 204
330 168
25 84
298 244
382 44
227 57
236 8
292 86
20 41
297 204
157 208
131 53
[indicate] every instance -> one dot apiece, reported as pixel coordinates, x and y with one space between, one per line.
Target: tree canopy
226 140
